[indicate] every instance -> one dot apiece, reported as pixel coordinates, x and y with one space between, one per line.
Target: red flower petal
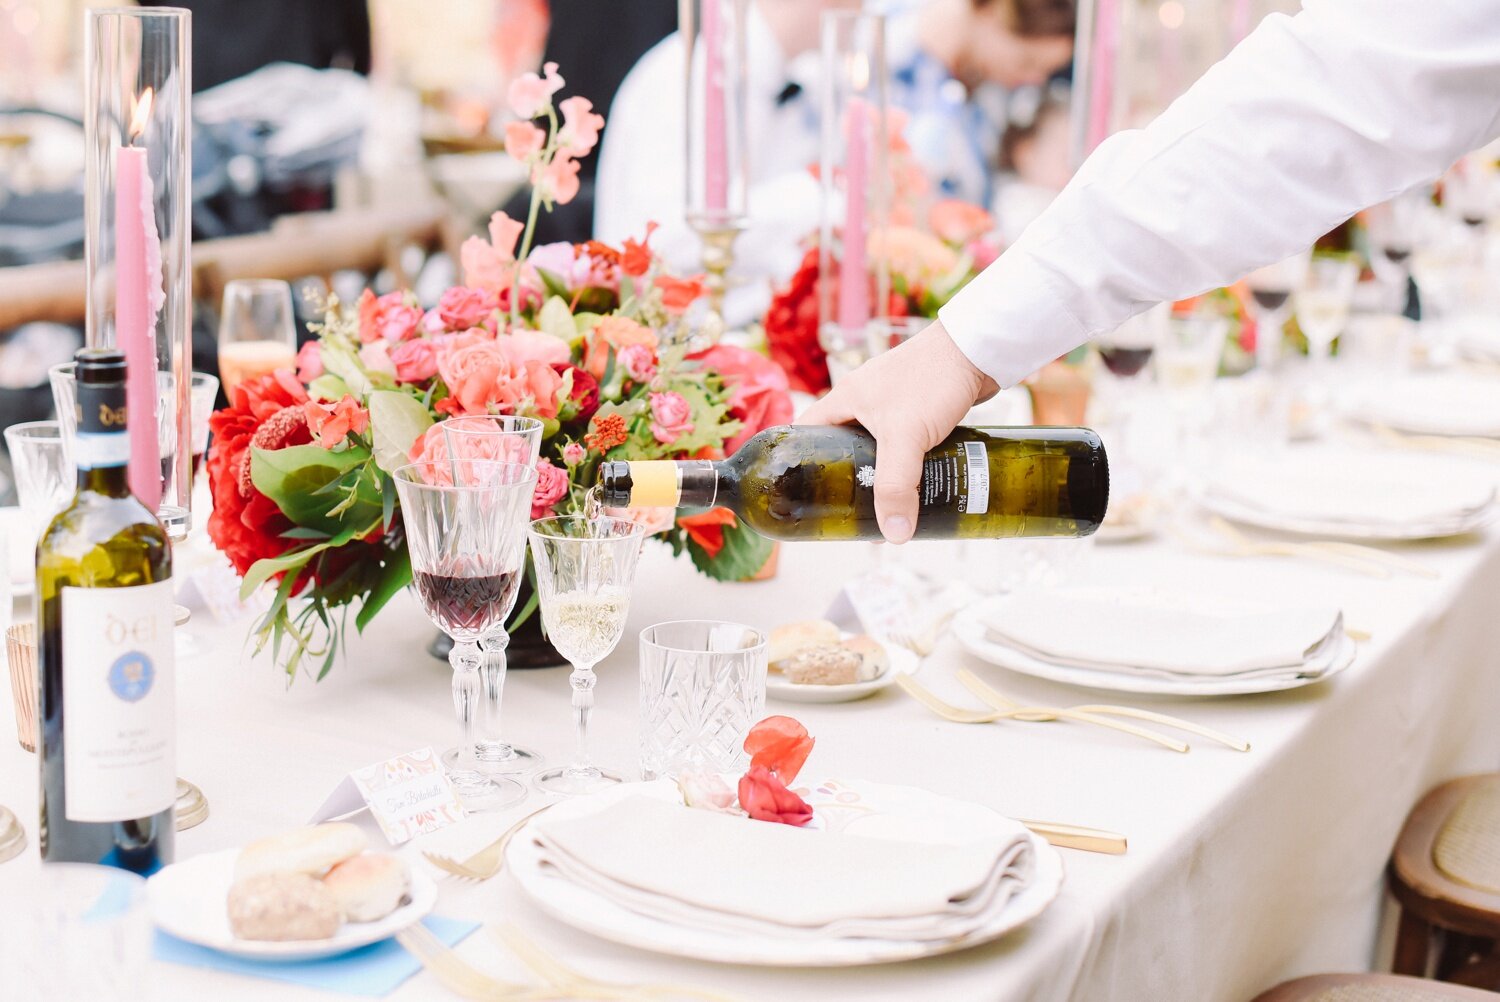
765 798
780 744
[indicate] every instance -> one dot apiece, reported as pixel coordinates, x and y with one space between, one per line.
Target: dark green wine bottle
105 650
801 482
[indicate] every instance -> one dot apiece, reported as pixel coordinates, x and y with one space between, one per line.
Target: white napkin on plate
1357 487
732 874
1179 635
1442 404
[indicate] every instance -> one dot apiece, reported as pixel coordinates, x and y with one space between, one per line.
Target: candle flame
141 114
859 71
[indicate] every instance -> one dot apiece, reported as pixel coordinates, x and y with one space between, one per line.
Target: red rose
585 395
792 329
766 798
268 413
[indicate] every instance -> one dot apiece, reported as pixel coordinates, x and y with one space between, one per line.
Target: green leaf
393 577
397 420
263 570
554 283
327 387
556 319
302 532
745 552
344 363
302 478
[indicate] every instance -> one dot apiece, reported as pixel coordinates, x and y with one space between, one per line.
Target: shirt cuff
1012 319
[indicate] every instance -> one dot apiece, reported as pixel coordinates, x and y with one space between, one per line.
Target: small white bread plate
190 901
833 802
902 660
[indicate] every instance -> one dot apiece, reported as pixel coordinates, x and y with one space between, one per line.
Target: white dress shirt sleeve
1309 120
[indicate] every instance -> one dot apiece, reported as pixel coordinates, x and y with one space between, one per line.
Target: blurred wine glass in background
257 331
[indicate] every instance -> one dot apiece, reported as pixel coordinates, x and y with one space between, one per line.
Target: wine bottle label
957 479
95 450
119 704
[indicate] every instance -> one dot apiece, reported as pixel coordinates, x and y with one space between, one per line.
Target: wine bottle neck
698 484
663 483
101 444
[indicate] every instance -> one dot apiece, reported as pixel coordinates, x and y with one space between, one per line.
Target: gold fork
458 975
998 701
565 979
1028 714
485 863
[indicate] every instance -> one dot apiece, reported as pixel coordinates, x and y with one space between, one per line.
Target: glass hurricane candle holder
137 193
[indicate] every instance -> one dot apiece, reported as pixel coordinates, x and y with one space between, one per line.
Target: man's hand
909 398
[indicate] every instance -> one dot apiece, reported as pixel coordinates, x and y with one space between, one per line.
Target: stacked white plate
882 873
1149 641
1338 490
1450 403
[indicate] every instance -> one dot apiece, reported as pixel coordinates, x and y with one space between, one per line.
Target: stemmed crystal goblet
584 568
1271 289
465 522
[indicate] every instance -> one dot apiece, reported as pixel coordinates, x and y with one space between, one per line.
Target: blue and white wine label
94 450
119 702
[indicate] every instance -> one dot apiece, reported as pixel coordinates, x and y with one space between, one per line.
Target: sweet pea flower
557 259
490 265
779 744
706 791
551 487
573 454
765 798
415 360
639 362
309 362
530 94
556 182
635 259
614 332
580 131
332 423
524 140
671 417
376 357
677 294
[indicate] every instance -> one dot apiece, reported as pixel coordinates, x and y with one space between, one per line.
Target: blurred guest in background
1035 164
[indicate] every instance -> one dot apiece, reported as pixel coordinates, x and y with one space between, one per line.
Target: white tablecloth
1243 869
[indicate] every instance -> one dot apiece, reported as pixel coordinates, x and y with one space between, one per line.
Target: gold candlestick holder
718 259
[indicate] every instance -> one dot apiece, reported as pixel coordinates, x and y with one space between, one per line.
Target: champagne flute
584 567
257 330
503 438
465 522
1322 305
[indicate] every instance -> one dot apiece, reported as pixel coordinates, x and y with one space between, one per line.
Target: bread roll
875 660
793 638
301 850
282 906
826 664
370 886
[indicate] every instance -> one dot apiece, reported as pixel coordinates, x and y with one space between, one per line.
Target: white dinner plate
902 661
835 803
1443 403
969 628
189 900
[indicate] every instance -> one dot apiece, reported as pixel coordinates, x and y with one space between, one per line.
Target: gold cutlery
998 701
1480 448
1028 714
458 975
485 863
575 985
1078 837
1237 544
1368 554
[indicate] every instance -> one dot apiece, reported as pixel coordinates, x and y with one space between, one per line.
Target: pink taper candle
854 280
715 128
1102 71
1239 20
138 299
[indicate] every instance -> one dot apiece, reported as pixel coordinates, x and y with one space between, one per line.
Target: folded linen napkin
1357 488
1157 633
735 875
1443 404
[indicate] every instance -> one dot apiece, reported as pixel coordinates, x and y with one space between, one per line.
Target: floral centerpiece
590 339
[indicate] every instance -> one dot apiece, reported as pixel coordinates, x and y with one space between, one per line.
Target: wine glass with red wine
1271 291
465 522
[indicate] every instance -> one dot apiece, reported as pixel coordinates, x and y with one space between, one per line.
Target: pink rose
573 454
534 346
671 417
580 131
530 94
473 366
557 182
639 362
551 487
524 140
491 265
462 307
415 361
309 362
389 318
376 357
759 396
653 520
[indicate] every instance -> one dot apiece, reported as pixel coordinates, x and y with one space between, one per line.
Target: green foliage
744 553
397 420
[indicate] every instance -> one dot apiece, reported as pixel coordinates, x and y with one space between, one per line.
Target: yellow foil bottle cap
654 484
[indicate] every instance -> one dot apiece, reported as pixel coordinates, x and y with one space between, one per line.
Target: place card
879 602
409 795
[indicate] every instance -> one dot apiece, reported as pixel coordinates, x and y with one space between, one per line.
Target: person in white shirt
1306 122
642 165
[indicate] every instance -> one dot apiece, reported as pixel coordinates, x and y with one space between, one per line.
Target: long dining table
1243 869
